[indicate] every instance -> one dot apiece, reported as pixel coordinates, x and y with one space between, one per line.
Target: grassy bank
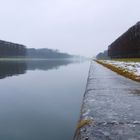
128 59
121 71
14 59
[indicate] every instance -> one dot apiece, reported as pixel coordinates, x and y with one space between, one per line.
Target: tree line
8 49
46 53
103 55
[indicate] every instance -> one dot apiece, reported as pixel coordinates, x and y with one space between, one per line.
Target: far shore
36 59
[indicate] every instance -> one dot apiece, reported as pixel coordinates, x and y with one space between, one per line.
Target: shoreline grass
127 59
120 71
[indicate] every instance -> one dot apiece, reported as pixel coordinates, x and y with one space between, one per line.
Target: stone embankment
110 109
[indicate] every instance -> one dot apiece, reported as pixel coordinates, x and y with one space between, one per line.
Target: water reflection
44 103
11 68
47 64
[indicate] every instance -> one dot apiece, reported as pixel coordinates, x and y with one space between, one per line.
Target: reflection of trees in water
47 64
10 68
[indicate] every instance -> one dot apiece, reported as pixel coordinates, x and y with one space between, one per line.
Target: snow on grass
132 67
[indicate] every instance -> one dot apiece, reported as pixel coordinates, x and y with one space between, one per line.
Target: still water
41 100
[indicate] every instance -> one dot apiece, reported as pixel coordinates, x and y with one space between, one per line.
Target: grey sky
83 27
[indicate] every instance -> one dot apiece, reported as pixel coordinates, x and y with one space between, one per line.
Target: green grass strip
120 71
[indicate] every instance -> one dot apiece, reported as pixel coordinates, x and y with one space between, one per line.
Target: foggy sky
83 27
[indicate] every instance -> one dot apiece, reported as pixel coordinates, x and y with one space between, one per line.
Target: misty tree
46 53
8 49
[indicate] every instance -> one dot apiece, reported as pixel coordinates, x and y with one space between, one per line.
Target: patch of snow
133 67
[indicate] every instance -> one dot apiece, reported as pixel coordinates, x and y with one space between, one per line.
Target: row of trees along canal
8 49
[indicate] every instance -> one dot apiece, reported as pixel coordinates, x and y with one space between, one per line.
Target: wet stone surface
112 102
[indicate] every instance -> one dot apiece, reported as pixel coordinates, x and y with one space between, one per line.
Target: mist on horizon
77 27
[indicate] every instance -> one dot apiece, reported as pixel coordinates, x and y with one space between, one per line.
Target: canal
41 100
112 104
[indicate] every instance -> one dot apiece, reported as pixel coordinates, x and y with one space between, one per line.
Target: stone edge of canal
84 121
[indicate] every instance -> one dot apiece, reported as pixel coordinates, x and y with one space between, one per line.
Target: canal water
41 100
